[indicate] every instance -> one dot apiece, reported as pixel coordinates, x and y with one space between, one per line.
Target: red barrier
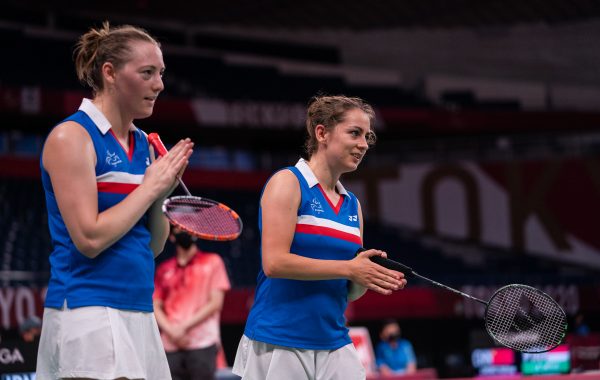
48 102
29 168
585 351
421 374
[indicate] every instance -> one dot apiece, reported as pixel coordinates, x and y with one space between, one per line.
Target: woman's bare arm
279 203
69 158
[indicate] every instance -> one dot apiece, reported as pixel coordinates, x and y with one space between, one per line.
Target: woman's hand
161 176
375 277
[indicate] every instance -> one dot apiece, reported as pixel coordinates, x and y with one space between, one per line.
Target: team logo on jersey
112 159
353 218
316 206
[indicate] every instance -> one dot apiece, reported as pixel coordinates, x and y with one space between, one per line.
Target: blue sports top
122 276
309 314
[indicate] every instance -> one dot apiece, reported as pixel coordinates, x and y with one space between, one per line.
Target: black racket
201 217
517 316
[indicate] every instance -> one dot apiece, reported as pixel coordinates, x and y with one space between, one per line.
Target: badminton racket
202 217
516 316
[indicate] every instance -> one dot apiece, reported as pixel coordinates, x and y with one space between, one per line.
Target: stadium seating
199 71
26 245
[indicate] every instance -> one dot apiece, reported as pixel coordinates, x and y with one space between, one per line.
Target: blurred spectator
580 326
188 298
584 345
30 329
394 355
19 349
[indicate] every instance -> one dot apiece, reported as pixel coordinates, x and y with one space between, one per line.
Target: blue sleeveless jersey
122 276
309 314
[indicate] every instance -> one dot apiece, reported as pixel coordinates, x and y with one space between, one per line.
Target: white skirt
100 342
256 360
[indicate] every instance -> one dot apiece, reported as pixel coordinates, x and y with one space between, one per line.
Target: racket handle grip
154 139
390 264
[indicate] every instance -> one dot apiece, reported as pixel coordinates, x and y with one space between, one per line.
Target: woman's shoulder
283 177
284 174
282 185
68 132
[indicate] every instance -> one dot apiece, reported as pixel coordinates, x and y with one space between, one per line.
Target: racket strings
525 319
203 217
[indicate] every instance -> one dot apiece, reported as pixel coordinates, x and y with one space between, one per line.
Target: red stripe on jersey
114 187
326 231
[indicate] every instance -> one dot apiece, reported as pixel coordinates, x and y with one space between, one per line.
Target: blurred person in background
394 355
30 329
188 298
580 326
103 192
311 230
18 348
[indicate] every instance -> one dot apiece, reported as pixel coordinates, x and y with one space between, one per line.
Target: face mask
393 337
183 240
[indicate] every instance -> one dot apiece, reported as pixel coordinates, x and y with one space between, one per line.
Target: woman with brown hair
311 229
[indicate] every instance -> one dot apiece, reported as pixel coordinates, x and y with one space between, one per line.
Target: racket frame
156 142
200 235
530 288
408 272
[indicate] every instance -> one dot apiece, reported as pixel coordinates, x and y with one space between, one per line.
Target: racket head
202 217
525 319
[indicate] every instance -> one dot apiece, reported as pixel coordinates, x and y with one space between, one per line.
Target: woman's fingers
177 150
380 290
394 283
177 157
163 172
389 282
385 286
388 285
376 277
180 152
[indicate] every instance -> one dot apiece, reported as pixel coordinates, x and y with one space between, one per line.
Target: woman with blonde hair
103 193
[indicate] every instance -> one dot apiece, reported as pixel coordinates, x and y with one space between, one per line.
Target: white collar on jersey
311 179
97 116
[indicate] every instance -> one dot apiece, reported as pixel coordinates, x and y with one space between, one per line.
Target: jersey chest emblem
112 159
